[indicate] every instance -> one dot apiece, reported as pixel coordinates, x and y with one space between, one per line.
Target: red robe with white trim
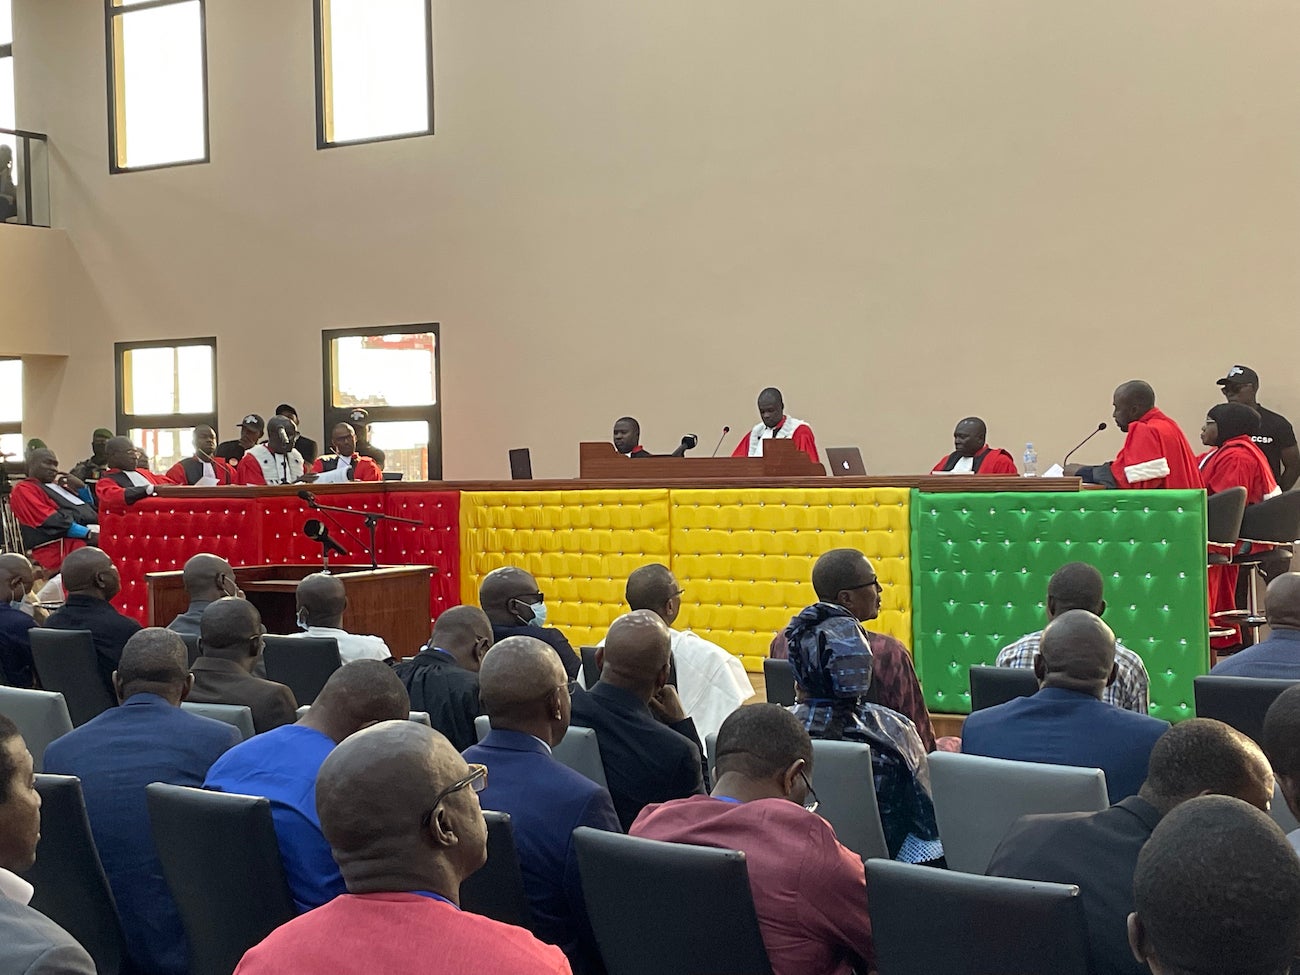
989 460
189 470
802 436
362 468
112 485
1156 455
45 522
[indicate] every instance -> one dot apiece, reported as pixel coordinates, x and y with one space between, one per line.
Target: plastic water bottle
1031 461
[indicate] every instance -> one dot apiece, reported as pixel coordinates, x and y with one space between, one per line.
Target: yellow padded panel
580 545
744 557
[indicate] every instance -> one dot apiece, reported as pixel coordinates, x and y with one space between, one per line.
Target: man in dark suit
649 747
206 578
516 607
148 739
1277 657
1066 722
231 643
1099 851
443 677
90 579
527 697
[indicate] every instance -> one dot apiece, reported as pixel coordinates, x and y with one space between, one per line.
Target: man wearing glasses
516 607
1276 437
401 813
809 890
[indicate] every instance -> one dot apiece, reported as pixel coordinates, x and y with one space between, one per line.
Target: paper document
1056 470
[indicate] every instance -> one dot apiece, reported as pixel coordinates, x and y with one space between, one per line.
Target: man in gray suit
33 944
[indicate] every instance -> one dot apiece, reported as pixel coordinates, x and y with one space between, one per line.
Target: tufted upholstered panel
981 564
438 544
580 546
744 557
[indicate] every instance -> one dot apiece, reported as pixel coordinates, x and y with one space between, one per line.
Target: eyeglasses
476 780
811 802
873 582
531 597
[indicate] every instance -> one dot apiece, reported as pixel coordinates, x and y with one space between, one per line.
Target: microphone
1100 427
725 431
310 499
316 531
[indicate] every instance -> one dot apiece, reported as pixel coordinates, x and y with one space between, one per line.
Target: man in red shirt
809 890
345 464
124 480
972 455
775 425
1155 452
400 810
204 469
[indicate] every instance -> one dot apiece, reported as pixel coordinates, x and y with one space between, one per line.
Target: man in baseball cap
251 429
360 421
1276 438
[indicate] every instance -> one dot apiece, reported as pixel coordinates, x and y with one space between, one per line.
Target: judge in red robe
1155 452
124 482
972 454
204 468
776 425
345 464
55 511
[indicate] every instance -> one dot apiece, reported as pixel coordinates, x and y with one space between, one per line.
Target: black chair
778 677
1240 702
71 888
1223 514
590 669
496 889
41 717
222 863
191 646
699 897
304 664
66 662
1274 522
973 925
991 686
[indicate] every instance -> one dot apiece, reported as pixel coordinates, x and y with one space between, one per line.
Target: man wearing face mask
516 607
204 469
15 624
276 461
322 601
125 480
345 463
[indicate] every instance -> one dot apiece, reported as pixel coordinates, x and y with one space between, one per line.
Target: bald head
231 629
969 436
653 587
502 592
1077 652
1202 756
89 572
16 575
1282 602
358 694
208 577
465 632
321 600
517 682
120 452
1131 401
154 661
636 653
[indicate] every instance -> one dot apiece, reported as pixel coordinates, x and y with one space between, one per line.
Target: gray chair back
1240 702
973 925
496 889
66 662
977 799
41 716
419 717
699 897
991 686
239 715
578 749
778 678
303 664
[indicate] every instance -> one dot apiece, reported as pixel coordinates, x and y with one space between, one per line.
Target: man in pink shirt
809 890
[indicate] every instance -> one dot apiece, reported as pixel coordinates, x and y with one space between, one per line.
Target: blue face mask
538 617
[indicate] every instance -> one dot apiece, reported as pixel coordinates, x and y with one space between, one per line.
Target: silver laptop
845 461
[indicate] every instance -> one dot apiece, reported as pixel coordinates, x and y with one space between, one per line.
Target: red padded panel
438 544
283 542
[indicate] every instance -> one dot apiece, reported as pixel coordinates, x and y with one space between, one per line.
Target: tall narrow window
11 410
164 390
374 70
8 120
157 83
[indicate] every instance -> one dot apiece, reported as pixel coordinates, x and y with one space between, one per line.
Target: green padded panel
980 565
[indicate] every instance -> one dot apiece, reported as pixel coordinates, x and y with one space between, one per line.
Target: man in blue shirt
148 739
282 765
1278 656
1066 722
15 625
526 693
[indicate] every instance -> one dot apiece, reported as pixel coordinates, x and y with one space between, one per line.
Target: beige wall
900 213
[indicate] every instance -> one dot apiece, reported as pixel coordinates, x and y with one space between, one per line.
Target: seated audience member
972 454
1077 585
344 463
648 746
231 644
400 810
809 890
92 468
516 607
526 694
1216 890
304 445
282 765
126 480
251 428
360 422
90 579
1066 722
53 507
1276 437
148 739
32 943
710 681
627 438
832 663
15 639
1099 851
443 677
206 578
321 601
1282 746
1155 452
203 468
1277 657
775 425
34 583
276 461
844 577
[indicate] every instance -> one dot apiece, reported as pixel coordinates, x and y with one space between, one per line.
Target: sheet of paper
1056 470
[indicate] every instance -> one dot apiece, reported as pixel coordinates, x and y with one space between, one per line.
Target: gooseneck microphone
316 530
309 498
1100 427
725 431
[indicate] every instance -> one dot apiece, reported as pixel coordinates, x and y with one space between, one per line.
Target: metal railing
24 178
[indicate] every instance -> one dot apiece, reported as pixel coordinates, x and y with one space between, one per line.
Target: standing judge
125 480
276 461
972 455
776 425
204 468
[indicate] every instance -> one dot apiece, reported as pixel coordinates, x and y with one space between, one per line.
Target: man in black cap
1276 438
251 429
360 421
90 469
304 445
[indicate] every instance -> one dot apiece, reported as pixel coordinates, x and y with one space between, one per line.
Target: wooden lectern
781 459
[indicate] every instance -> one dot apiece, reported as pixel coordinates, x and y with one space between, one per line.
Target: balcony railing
24 178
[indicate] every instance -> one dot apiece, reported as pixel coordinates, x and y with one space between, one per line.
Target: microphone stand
372 519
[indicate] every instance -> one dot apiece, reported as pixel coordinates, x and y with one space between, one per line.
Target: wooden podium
390 602
781 459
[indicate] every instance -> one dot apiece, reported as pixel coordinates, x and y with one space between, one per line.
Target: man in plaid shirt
1077 585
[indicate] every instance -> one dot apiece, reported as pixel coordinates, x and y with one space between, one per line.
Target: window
8 120
374 70
391 372
11 410
164 390
157 83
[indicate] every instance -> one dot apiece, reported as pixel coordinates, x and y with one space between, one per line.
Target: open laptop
845 461
521 464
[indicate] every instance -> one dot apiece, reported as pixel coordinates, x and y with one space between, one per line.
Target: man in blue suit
148 739
525 690
1066 722
1278 657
